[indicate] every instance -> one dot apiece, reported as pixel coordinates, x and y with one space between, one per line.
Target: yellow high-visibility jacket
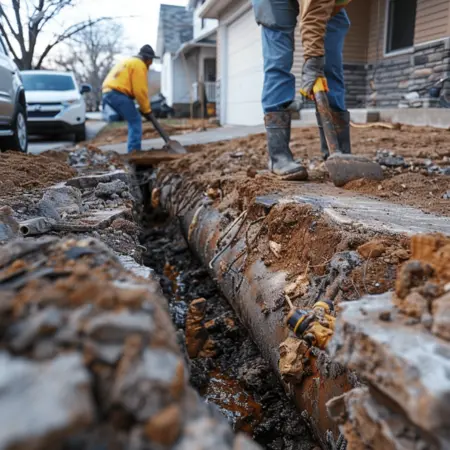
130 77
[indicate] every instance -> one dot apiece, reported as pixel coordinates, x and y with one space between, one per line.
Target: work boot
342 123
281 161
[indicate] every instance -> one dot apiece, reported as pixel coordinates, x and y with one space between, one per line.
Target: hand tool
342 168
172 145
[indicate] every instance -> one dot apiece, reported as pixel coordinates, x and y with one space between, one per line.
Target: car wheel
80 134
19 140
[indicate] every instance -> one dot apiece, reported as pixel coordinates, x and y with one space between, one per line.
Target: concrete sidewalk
201 137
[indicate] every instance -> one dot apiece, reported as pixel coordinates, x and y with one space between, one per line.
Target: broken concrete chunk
405 363
414 305
206 434
370 424
65 199
9 227
91 181
105 190
112 328
43 403
47 209
147 387
441 317
243 442
43 323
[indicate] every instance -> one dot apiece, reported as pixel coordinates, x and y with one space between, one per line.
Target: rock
206 434
9 227
412 274
196 333
107 190
370 424
114 327
243 442
441 317
91 181
65 199
47 209
344 262
150 383
43 403
414 305
43 323
391 161
165 427
372 249
446 196
404 363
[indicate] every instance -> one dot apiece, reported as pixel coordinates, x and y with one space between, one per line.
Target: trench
226 367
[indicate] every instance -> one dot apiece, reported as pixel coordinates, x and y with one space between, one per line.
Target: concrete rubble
89 357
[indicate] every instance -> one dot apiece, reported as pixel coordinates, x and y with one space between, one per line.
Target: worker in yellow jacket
125 83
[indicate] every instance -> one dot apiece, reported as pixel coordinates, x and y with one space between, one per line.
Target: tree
91 54
23 24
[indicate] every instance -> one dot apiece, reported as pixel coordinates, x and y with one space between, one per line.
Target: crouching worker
324 25
126 82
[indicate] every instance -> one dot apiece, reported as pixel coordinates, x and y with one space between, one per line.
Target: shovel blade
344 168
175 147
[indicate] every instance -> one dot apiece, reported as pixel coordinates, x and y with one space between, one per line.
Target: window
47 82
401 23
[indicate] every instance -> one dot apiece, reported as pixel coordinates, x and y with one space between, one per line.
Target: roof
207 40
176 26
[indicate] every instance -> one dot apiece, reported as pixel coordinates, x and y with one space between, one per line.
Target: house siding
432 20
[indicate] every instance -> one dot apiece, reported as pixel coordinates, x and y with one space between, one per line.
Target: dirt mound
19 171
415 189
232 165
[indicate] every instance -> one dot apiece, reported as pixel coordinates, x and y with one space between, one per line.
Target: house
187 44
393 47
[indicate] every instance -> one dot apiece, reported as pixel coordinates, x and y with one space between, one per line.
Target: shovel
172 145
342 167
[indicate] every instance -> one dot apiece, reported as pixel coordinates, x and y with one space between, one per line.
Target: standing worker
126 82
324 25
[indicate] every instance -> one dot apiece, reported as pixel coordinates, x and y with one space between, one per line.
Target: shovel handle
158 128
323 109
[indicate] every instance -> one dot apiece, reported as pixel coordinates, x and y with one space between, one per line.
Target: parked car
13 108
160 108
55 103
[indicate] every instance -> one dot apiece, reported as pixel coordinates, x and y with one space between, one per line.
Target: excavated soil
233 166
20 172
117 134
226 367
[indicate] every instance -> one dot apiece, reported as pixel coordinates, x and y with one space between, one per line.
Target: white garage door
244 72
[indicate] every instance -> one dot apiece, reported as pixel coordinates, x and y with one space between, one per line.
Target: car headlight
76 101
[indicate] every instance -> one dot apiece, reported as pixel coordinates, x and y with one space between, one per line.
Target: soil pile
415 176
20 172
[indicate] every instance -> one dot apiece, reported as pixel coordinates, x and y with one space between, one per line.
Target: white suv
55 104
13 109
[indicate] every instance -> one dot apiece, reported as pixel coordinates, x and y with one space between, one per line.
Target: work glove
312 70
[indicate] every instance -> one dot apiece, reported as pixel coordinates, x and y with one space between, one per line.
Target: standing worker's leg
125 106
337 29
278 19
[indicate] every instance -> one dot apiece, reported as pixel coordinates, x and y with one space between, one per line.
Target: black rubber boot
342 122
281 161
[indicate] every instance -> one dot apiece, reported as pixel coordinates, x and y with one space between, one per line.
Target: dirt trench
226 367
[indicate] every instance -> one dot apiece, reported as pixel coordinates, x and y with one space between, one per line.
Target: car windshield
47 82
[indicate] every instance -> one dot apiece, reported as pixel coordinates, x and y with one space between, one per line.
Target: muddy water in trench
225 365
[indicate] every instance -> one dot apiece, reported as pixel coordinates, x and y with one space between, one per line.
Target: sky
141 28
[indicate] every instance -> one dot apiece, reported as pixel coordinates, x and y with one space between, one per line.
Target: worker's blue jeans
278 53
126 109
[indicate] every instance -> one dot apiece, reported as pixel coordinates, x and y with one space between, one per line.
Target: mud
418 180
227 368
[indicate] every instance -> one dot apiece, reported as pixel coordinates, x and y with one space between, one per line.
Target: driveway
39 144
